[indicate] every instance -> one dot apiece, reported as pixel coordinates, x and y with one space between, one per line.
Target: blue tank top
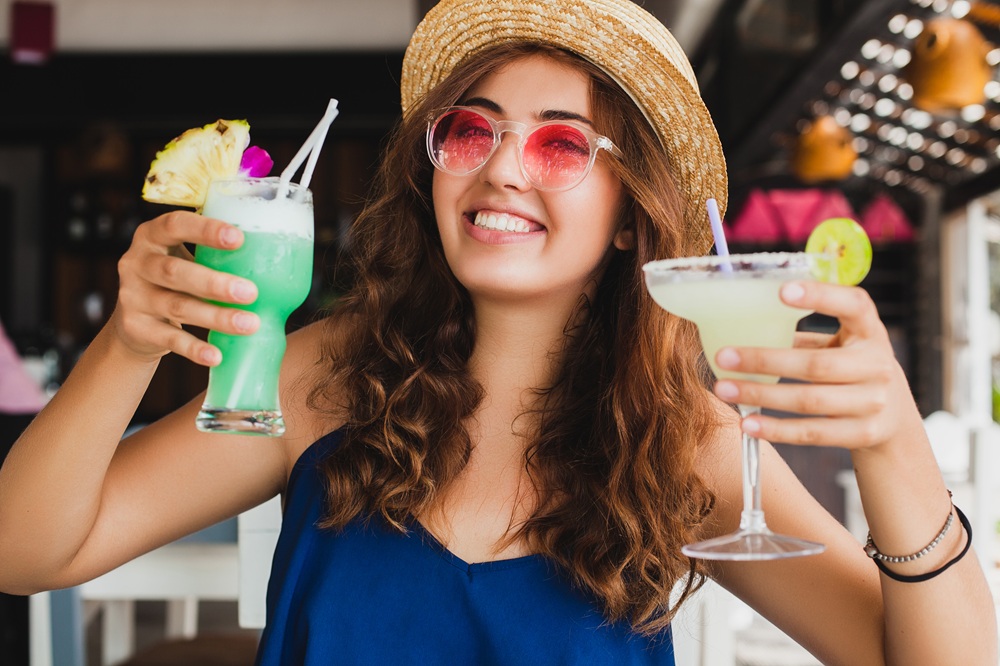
371 595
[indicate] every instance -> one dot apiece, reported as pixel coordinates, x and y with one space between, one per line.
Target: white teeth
501 222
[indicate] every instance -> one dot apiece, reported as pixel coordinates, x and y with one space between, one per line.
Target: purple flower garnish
256 163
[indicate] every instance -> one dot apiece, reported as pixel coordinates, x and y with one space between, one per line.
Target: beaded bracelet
873 552
919 578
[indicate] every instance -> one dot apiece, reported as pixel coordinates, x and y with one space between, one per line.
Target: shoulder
309 392
718 457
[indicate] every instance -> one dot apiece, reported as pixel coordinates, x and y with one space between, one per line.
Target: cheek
439 198
608 197
445 190
437 193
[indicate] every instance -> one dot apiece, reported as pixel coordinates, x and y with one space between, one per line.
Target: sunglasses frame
595 142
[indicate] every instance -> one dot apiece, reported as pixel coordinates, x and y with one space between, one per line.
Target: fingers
154 337
852 306
827 365
158 256
806 399
846 416
849 433
170 272
179 227
184 309
162 289
854 394
151 323
812 340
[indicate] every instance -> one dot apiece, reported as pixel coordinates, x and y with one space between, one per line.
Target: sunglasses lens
556 156
461 141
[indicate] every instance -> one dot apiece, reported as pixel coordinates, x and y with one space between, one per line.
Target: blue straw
721 248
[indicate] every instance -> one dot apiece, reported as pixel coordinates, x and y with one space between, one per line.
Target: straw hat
618 36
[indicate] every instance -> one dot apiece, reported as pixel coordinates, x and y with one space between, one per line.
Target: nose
503 170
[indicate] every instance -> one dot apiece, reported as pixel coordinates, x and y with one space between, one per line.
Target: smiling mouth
501 222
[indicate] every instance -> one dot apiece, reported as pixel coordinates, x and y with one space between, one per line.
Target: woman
497 443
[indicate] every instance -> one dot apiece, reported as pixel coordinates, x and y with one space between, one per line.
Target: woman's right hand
161 289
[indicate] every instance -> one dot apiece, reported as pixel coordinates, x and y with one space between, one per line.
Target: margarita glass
734 302
277 256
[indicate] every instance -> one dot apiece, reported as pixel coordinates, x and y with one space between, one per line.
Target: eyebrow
549 114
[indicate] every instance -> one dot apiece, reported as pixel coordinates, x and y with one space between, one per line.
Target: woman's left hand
856 395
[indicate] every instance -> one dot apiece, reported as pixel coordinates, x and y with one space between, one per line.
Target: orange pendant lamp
948 69
824 151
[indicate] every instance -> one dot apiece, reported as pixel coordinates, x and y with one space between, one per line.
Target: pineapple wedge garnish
181 172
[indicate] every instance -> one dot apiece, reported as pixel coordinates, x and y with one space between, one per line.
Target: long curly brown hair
613 439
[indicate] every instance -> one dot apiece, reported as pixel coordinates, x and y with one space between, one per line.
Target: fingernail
244 291
792 292
727 357
211 356
244 321
726 390
750 426
230 236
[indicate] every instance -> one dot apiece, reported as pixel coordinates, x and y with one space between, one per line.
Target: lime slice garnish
841 251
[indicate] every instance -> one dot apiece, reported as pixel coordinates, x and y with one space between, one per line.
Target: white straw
311 147
236 390
314 153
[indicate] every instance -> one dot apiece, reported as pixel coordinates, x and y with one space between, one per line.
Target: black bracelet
919 578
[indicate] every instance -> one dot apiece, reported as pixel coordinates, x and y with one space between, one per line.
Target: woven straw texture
620 37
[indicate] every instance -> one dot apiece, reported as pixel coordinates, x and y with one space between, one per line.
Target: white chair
182 574
704 628
258 535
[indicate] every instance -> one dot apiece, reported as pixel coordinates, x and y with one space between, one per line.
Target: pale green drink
277 256
732 311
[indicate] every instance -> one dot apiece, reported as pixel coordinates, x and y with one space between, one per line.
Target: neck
518 349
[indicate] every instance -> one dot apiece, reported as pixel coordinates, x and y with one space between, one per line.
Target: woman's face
557 240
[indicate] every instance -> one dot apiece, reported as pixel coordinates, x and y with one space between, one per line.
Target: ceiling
296 25
765 67
87 26
853 68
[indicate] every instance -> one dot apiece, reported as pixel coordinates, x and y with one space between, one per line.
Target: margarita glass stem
752 518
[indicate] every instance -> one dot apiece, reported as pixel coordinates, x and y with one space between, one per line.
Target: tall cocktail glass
734 301
277 256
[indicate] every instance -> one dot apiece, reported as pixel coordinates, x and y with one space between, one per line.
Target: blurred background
886 111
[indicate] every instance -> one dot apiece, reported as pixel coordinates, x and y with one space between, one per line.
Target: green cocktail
277 256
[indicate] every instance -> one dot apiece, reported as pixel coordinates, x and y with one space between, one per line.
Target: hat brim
618 36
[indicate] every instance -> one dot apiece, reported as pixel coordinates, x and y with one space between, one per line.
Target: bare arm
856 397
73 501
817 600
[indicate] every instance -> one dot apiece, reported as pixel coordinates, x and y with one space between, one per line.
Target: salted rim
757 260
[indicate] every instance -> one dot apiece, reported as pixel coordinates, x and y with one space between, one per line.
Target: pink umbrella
19 394
787 215
802 210
885 222
757 222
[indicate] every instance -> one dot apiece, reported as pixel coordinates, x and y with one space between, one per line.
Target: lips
499 221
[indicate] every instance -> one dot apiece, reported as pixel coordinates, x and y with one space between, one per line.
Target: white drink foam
249 205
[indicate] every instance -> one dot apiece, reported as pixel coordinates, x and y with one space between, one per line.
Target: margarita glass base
747 545
240 421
